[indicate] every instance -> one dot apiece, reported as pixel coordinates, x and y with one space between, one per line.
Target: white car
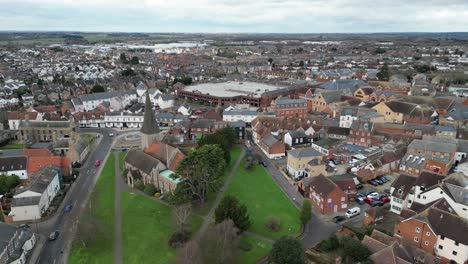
373 195
111 134
353 212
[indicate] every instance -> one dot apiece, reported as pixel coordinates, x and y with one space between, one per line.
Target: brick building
324 194
286 107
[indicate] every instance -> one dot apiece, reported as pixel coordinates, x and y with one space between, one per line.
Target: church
156 161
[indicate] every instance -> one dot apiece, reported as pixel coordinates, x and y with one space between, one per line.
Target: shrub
179 238
245 246
330 244
354 249
157 194
139 185
150 189
273 223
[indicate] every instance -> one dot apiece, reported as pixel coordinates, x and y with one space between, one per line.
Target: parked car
298 178
338 219
373 195
23 226
376 202
359 200
359 186
54 235
111 134
68 208
385 199
379 181
372 182
263 164
368 200
353 212
365 193
277 158
382 178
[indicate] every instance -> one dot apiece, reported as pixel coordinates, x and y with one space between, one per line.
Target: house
362 133
240 112
322 101
399 111
298 159
400 192
324 194
327 146
438 232
15 243
350 113
446 131
14 166
239 128
296 137
78 150
346 182
15 117
366 94
429 154
286 107
272 147
30 203
374 214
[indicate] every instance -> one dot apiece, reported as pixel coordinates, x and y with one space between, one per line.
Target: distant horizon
235 17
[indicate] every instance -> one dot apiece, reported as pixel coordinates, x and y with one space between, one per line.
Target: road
56 252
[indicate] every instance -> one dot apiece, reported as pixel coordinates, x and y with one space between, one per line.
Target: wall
389 115
415 232
448 246
25 213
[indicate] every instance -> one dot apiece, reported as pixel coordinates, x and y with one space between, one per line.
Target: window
418 230
419 196
426 243
454 253
329 200
416 239
442 237
428 233
441 247
343 199
456 243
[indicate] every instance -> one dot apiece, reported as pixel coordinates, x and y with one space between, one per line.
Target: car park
368 200
54 235
353 212
373 195
385 199
387 191
381 178
379 182
338 219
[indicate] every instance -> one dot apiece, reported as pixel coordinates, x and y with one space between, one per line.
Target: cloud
235 16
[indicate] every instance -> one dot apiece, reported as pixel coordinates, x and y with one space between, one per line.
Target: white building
123 120
14 166
16 243
30 203
91 101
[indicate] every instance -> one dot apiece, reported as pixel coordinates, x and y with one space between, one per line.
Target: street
67 222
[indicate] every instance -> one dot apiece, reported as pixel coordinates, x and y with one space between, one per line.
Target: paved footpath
117 213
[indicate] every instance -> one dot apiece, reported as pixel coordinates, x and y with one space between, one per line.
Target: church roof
150 126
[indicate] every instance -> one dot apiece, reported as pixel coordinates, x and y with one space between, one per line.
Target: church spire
150 126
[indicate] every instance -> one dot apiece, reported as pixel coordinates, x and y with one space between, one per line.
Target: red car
385 199
368 200
97 163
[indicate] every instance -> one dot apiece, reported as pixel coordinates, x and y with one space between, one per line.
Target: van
353 212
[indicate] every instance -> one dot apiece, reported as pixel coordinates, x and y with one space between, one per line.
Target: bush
179 238
157 194
354 249
330 244
273 223
150 189
245 246
139 185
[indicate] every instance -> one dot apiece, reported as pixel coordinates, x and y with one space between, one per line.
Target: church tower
150 129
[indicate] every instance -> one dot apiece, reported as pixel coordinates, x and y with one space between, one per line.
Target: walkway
207 219
117 212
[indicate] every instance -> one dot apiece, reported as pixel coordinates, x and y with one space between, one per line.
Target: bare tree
190 253
220 243
182 214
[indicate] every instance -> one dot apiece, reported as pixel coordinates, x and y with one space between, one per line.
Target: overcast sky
288 16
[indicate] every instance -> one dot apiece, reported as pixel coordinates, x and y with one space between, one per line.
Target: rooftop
231 89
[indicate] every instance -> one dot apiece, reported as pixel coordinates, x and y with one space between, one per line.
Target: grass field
146 229
100 248
264 198
13 146
121 160
203 210
259 249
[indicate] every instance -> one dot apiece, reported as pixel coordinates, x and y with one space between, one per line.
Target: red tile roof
37 163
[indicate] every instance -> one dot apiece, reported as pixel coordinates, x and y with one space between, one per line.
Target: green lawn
13 146
146 229
100 248
204 209
264 198
259 249
121 160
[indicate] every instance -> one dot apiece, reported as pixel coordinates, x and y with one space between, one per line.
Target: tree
380 50
273 223
231 208
150 189
40 82
354 249
287 250
134 60
97 88
225 138
306 212
190 253
220 244
181 215
384 73
270 60
8 182
123 58
301 63
128 72
200 171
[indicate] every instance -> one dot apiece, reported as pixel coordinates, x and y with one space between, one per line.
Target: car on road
68 208
111 134
376 202
353 212
263 164
373 195
277 158
338 219
97 163
54 235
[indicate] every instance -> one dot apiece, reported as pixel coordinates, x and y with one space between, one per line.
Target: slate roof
143 161
6 234
25 201
448 225
304 153
434 146
13 163
322 185
405 183
150 126
105 95
298 133
341 131
46 124
409 108
269 140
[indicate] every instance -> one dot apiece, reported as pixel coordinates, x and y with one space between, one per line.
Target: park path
117 212
207 219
